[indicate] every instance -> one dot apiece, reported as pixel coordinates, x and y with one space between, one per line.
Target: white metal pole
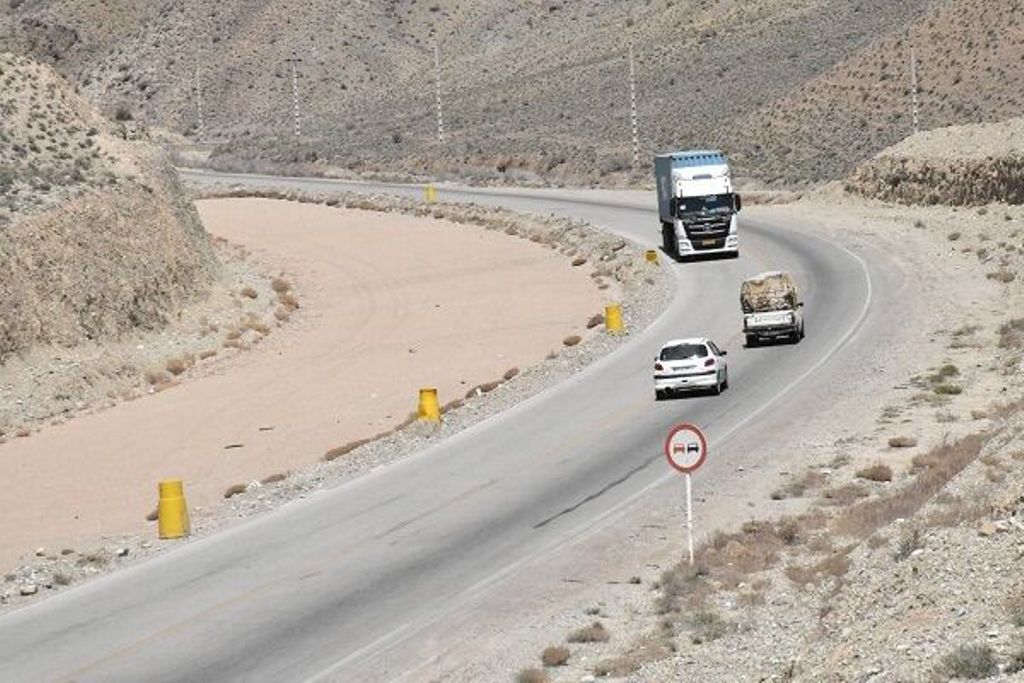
913 87
632 106
437 86
689 517
295 94
199 103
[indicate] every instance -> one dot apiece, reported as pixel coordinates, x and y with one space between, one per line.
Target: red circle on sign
701 439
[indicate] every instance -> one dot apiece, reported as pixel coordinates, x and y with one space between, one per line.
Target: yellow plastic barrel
651 255
613 319
429 409
172 511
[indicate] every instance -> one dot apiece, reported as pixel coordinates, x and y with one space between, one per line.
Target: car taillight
709 362
659 366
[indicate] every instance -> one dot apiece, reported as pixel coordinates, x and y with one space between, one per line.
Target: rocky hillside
530 87
96 236
796 90
959 165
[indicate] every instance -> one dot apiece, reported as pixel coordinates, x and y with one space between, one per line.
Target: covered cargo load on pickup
773 291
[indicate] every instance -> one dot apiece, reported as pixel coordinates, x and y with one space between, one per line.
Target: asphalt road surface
329 587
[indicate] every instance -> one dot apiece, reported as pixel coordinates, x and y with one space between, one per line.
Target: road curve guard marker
430 194
651 255
613 319
429 409
172 511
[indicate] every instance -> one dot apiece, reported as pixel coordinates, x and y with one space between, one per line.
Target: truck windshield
715 202
684 351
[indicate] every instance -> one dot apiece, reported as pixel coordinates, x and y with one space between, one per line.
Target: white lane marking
616 511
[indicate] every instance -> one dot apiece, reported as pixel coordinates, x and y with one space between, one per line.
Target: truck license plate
708 243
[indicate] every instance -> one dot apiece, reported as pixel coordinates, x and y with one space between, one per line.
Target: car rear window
684 351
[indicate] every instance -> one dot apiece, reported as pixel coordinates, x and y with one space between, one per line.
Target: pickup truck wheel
660 395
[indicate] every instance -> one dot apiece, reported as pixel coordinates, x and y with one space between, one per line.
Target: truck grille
707 233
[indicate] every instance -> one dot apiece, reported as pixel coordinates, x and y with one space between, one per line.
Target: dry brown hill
96 236
797 90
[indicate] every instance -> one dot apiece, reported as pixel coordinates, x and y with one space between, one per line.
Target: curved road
328 587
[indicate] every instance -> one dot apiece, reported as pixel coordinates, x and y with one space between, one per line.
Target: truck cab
697 205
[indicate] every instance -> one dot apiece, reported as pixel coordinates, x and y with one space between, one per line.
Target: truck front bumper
776 332
698 247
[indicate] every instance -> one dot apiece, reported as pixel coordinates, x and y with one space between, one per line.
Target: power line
913 88
632 106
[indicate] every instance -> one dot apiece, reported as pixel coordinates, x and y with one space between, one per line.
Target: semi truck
697 204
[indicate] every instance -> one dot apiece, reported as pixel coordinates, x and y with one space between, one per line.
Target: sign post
686 449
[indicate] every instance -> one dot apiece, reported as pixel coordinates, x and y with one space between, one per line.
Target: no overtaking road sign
686 448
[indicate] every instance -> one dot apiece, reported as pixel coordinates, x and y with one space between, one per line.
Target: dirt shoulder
390 303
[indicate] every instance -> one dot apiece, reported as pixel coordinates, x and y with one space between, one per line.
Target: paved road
326 587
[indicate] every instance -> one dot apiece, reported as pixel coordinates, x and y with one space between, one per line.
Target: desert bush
249 292
572 340
910 542
902 442
274 478
510 373
578 261
1011 334
877 472
972 662
280 285
594 321
532 675
555 655
594 633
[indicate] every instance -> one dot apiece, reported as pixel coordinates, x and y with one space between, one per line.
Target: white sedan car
690 365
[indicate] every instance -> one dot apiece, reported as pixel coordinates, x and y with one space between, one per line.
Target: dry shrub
845 495
532 675
555 655
288 301
281 313
94 558
233 333
578 261
204 355
176 366
1011 334
833 566
23 433
233 344
62 579
339 451
594 321
510 373
257 326
877 472
274 478
795 488
594 633
972 662
234 490
156 377
902 442
1002 275
706 625
934 470
572 340
280 285
249 293
1015 606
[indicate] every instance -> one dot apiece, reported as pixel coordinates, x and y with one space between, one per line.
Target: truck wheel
751 341
801 331
660 395
668 239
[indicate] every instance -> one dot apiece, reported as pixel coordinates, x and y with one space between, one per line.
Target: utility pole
437 83
199 102
632 106
295 61
913 88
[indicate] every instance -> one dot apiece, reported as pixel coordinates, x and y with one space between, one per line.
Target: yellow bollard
429 409
651 256
172 511
613 319
430 194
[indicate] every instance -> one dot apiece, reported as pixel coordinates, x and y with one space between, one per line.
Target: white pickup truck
772 309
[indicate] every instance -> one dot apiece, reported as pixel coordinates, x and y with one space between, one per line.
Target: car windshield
714 202
684 351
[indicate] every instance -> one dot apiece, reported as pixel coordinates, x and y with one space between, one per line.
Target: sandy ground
389 304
